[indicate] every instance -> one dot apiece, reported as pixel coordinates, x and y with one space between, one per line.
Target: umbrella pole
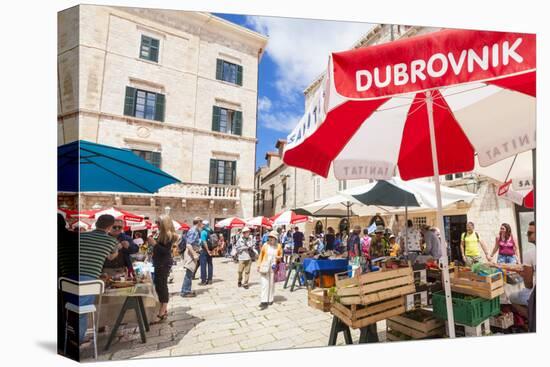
406 242
444 261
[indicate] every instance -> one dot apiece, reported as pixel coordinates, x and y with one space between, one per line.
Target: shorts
507 259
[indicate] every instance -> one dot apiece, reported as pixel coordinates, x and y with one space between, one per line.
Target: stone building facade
280 187
179 88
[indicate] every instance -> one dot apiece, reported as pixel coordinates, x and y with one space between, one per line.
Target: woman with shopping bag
270 255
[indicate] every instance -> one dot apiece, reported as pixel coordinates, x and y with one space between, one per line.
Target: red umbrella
259 221
419 107
288 217
120 214
72 214
529 200
232 222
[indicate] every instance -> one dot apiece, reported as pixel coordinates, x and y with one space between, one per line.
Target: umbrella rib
122 177
511 166
159 172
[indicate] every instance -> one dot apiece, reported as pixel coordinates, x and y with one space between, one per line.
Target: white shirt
530 258
410 238
138 241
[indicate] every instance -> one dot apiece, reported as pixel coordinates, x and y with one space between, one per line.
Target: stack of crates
471 314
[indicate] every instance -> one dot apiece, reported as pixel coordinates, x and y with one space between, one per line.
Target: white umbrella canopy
422 191
518 167
337 206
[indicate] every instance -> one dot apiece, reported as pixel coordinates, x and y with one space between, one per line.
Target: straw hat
245 229
379 229
273 234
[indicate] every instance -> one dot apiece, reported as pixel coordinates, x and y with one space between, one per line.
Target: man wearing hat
244 245
379 245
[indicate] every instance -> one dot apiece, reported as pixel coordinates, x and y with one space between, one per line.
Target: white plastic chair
82 288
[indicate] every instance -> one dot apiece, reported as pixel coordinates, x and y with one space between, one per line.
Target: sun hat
273 234
245 229
205 222
379 229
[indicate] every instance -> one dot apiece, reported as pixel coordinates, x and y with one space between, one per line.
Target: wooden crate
503 321
359 316
319 298
418 324
466 282
374 287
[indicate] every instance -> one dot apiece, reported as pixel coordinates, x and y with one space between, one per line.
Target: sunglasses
117 227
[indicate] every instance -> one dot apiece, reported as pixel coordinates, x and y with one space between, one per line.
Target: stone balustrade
201 191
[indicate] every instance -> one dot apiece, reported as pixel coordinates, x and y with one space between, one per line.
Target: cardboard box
464 330
420 277
503 321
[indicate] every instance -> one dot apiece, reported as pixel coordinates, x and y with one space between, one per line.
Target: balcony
201 191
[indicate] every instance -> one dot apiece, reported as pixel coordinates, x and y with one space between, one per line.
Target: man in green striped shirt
94 248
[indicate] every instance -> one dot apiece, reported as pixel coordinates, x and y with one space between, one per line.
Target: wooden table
368 334
133 300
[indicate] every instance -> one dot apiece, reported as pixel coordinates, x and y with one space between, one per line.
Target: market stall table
314 268
133 300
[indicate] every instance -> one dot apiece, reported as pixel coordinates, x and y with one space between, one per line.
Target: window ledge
157 63
228 83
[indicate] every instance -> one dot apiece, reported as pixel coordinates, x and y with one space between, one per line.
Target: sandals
163 317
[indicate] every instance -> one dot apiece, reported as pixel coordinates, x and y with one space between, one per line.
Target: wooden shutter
233 172
154 50
237 126
130 101
219 69
239 75
216 116
213 171
156 159
159 107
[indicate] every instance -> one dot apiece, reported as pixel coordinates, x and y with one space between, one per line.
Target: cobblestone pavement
224 318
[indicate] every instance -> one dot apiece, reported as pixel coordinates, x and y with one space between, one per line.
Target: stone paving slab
224 318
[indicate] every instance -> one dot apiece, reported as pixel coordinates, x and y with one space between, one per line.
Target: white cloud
264 104
281 121
300 47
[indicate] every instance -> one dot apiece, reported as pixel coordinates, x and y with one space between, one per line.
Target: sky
296 54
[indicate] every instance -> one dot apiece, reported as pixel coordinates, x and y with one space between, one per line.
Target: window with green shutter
149 49
144 104
152 157
229 72
227 121
223 172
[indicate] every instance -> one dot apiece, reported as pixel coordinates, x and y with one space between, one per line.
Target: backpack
212 241
365 246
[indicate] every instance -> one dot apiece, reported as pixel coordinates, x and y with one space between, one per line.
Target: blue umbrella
86 166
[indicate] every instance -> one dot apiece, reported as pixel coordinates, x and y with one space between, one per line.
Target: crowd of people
109 247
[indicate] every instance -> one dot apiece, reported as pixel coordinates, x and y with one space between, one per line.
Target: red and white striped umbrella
288 218
72 214
179 226
259 221
232 222
419 107
371 117
81 224
120 214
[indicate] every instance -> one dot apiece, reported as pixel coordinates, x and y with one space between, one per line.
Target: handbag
280 272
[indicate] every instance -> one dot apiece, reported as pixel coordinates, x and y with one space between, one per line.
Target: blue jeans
206 264
507 259
187 281
81 301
